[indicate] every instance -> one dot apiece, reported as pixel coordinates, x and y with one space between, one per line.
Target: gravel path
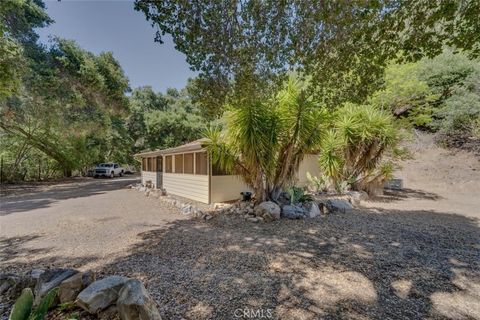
379 262
82 223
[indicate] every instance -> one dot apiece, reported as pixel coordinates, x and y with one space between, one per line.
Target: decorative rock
356 197
197 213
267 217
7 281
253 219
284 198
135 303
11 285
396 184
293 212
341 205
207 217
260 219
323 208
49 280
109 313
268 207
71 287
101 294
186 209
313 209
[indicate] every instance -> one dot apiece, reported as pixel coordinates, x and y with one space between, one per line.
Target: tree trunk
67 172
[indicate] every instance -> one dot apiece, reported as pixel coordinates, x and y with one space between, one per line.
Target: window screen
149 164
201 163
168 164
179 163
159 164
144 164
188 163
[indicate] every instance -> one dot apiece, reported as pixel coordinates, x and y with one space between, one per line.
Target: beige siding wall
155 177
189 186
225 188
309 164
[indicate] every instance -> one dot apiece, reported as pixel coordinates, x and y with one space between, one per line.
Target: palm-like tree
360 146
265 141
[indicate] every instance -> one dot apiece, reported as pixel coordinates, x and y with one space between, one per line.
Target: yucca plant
359 148
265 141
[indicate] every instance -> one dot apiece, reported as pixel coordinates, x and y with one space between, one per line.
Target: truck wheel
121 174
112 175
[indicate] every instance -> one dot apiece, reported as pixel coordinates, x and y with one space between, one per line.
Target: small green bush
22 309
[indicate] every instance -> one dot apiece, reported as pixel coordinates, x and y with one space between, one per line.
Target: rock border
322 204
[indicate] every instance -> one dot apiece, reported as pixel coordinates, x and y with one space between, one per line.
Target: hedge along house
186 171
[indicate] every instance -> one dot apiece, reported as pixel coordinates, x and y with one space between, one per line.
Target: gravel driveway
81 223
373 263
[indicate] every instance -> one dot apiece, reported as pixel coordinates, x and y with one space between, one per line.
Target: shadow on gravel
17 248
398 195
43 199
356 265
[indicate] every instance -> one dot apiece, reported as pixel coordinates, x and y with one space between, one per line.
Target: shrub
22 309
360 148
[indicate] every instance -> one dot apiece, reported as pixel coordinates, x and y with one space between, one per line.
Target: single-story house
186 171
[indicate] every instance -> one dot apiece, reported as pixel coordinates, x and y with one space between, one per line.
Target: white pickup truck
108 170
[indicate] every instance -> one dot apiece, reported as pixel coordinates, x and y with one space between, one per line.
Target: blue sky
113 25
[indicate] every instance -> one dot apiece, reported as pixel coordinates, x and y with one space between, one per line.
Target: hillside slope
436 179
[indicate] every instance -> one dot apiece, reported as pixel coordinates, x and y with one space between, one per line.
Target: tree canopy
342 45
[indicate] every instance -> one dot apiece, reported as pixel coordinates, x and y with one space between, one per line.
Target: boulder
269 209
11 285
293 212
135 303
49 280
338 205
186 209
356 197
312 209
71 287
322 205
9 281
284 198
101 294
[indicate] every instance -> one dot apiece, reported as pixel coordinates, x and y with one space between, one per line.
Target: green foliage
440 94
249 47
298 195
23 306
67 111
18 18
355 151
22 309
163 120
265 141
446 71
460 114
316 184
45 304
405 95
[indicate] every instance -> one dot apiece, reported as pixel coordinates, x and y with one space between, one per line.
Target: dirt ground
413 254
82 222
